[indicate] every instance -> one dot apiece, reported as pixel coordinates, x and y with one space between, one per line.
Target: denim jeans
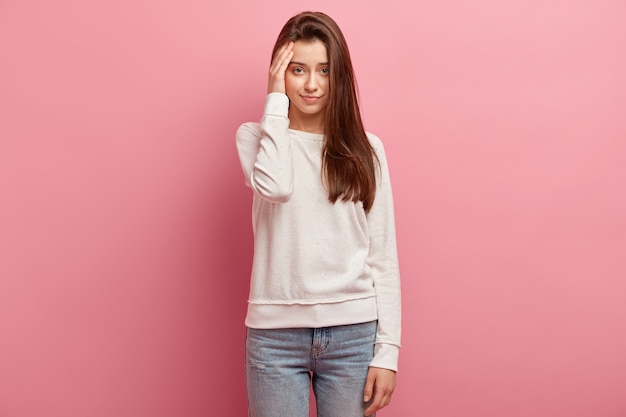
281 365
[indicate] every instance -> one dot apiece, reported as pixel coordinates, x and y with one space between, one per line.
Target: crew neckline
307 135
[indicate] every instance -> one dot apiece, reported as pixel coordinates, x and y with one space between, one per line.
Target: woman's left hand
379 387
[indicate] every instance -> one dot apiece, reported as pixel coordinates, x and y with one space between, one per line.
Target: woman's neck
306 123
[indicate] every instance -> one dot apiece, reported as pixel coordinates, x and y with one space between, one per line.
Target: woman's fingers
382 382
280 55
276 83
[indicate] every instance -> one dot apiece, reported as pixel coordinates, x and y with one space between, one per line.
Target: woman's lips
310 99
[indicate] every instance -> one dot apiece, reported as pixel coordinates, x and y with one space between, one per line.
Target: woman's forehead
310 52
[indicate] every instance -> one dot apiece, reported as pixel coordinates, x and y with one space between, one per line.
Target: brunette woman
324 305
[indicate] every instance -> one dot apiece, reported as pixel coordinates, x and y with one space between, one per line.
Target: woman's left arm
383 261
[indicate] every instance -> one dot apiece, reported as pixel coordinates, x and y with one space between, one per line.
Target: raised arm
264 150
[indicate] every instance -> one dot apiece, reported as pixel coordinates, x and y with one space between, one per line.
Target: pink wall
125 239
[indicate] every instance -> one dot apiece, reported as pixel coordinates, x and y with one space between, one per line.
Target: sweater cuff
386 356
277 104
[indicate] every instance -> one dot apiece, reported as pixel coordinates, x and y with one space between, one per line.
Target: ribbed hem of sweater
283 316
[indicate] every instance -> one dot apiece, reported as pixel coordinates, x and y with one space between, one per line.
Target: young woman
324 304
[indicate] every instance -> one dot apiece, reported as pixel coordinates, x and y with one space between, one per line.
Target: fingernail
366 399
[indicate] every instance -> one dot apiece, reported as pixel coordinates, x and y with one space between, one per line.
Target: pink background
125 237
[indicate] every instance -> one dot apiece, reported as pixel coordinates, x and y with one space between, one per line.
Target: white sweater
316 264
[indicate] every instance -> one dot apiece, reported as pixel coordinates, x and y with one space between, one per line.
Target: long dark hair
348 159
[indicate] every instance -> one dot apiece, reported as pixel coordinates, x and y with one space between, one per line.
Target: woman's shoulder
374 140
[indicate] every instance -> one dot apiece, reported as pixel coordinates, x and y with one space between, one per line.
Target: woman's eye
324 70
298 70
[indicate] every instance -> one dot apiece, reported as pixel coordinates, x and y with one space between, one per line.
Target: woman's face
307 81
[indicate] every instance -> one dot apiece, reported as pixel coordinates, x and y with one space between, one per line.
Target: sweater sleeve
383 261
265 153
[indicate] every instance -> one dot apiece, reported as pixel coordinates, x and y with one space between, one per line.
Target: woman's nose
311 83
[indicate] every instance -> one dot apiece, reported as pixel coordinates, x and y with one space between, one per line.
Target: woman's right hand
280 62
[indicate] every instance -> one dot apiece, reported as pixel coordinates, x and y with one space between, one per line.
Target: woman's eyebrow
304 65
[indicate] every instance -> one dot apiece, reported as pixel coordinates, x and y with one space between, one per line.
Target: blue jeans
281 364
